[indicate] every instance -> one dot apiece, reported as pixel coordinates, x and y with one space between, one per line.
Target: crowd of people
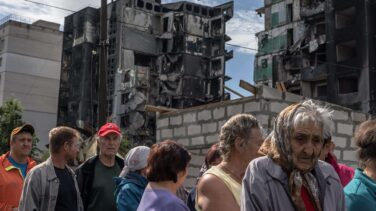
292 168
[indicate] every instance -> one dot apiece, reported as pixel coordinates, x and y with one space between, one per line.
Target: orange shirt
11 182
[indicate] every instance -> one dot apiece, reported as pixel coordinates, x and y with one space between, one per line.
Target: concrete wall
198 128
30 72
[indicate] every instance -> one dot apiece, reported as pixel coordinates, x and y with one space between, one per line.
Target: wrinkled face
254 142
72 149
306 145
21 144
109 144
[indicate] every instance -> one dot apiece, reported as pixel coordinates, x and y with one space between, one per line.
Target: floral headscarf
277 146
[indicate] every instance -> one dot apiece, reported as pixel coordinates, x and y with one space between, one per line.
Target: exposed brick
190 182
209 127
219 113
204 115
190 117
289 97
194 129
340 141
183 141
263 119
349 155
193 171
359 117
176 120
212 139
340 115
251 107
166 133
271 93
277 107
198 140
162 122
195 151
352 143
345 129
234 109
337 153
180 131
197 160
220 124
158 136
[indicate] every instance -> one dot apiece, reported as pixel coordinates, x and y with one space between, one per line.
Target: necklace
235 176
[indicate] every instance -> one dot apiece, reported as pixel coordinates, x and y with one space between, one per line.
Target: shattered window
149 6
188 7
2 45
140 4
196 10
346 51
347 85
345 18
157 8
204 11
289 13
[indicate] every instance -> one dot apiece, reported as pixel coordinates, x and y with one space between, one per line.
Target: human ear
239 144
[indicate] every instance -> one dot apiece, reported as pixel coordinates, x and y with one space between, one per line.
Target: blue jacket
129 191
360 193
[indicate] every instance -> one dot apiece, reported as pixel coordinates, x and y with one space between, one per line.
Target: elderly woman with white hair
291 177
131 183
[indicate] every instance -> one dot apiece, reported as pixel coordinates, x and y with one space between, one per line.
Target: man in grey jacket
52 185
290 177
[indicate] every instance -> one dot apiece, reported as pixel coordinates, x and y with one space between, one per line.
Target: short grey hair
238 125
326 118
289 119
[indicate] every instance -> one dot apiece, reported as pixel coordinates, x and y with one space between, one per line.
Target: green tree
10 118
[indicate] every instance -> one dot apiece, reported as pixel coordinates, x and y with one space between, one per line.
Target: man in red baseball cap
14 165
95 175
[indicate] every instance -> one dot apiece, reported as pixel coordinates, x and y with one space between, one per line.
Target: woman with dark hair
166 171
360 192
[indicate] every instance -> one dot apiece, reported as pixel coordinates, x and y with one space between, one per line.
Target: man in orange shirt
14 165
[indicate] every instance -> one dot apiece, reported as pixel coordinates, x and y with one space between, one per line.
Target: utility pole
102 89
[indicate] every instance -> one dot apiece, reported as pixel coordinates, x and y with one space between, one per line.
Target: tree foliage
10 118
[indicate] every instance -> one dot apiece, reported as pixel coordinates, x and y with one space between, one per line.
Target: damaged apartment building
170 55
322 49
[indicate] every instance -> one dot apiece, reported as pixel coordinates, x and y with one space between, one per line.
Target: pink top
344 172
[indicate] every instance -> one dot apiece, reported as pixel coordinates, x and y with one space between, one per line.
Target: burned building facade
170 55
322 49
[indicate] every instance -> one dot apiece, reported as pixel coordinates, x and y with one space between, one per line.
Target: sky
241 28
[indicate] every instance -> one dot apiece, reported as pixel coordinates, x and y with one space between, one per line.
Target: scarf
277 146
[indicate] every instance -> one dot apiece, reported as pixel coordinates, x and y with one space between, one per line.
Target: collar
51 174
9 166
276 172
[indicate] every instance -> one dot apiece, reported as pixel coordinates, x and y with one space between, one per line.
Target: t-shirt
21 166
160 200
102 193
67 195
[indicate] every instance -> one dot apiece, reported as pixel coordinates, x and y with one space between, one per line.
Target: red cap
109 128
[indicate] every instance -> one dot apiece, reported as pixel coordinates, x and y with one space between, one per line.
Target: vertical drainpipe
102 89
332 85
